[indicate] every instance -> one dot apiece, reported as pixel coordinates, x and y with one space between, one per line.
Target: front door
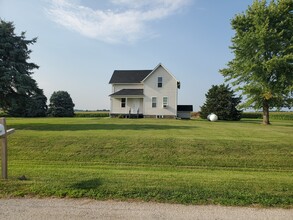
135 106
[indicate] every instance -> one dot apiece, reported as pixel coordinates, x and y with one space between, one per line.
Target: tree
29 106
16 83
221 101
61 105
263 64
38 105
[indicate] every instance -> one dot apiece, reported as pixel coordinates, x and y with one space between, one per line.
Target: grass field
175 161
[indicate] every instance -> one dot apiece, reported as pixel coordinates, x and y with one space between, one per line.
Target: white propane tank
213 117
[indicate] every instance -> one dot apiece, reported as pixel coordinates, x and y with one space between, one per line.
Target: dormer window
160 82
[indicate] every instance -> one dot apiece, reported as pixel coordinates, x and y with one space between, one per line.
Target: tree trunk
266 116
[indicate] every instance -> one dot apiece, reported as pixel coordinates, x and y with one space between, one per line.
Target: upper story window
154 102
160 82
123 102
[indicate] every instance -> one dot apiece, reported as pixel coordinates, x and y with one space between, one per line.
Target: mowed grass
176 161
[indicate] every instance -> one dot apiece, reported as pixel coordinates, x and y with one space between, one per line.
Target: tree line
20 95
262 68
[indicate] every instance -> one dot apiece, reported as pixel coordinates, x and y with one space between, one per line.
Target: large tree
61 105
263 47
221 101
29 106
16 83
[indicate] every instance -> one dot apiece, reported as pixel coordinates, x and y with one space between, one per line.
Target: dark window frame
123 102
160 82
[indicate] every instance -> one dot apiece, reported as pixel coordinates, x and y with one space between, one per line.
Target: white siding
116 107
169 89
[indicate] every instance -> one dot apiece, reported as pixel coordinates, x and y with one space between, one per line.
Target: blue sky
81 42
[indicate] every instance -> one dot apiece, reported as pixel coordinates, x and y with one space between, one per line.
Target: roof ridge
134 70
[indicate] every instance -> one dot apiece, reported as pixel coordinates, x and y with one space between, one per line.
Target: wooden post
4 148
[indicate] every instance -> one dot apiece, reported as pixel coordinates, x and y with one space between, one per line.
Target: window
160 82
123 102
165 101
154 102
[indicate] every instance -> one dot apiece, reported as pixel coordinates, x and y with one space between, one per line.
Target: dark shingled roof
128 92
129 76
184 108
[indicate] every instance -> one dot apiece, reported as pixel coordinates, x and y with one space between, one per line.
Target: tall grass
192 162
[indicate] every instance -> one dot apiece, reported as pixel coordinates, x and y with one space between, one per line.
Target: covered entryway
132 106
135 105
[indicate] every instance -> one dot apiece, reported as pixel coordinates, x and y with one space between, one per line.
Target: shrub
221 101
61 105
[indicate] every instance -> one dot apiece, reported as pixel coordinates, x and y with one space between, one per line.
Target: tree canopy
29 106
221 101
263 47
61 105
16 83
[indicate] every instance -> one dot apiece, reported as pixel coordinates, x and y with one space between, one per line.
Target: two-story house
144 93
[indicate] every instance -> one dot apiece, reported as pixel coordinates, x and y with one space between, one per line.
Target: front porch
127 103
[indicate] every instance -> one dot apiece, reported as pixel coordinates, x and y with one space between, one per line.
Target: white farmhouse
144 93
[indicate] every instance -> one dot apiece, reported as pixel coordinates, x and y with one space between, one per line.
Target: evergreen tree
263 64
221 101
16 83
29 106
37 106
61 105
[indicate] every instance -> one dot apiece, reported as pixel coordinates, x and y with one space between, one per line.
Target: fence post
4 150
3 136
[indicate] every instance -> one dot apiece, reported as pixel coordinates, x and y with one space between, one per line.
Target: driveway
38 209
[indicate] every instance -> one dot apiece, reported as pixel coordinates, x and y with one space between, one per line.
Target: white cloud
126 21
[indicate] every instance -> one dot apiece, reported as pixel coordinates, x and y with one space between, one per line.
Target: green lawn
177 161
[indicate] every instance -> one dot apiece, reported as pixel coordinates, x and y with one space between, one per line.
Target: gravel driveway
90 209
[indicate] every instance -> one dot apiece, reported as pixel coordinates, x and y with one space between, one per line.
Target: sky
81 42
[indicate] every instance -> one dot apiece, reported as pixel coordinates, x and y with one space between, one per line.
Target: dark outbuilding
184 111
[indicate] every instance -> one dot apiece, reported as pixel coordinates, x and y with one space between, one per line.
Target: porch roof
128 92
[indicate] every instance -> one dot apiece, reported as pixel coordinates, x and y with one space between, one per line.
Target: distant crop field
177 161
89 114
273 115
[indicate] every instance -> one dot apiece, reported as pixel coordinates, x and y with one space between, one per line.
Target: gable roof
128 92
129 76
157 67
